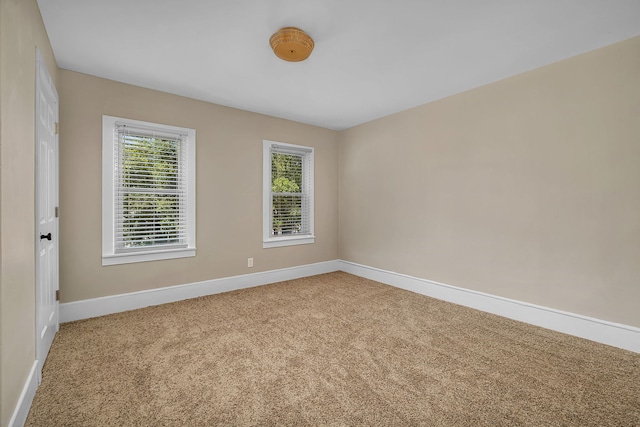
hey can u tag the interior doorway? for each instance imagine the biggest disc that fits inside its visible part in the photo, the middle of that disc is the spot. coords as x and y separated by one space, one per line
46 210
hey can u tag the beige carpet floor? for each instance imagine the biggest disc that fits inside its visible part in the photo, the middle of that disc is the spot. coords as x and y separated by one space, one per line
333 349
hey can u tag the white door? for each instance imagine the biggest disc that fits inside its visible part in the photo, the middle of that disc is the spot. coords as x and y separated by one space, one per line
46 211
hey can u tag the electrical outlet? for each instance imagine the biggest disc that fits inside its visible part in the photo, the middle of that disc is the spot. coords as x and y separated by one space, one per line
249 262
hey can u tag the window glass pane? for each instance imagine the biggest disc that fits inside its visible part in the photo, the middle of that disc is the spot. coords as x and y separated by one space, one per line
287 188
150 219
149 162
286 173
150 193
287 214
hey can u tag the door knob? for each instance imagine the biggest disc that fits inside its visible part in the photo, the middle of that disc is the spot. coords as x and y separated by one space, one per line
45 236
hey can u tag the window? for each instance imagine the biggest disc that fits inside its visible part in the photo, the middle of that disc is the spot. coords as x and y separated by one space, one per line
148 191
287 194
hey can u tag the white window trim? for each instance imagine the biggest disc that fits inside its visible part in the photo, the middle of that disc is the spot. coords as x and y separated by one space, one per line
109 257
286 240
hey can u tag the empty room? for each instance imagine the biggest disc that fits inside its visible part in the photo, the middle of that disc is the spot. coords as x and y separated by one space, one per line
291 212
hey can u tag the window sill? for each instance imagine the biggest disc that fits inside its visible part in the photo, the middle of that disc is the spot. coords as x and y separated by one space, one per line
129 258
276 242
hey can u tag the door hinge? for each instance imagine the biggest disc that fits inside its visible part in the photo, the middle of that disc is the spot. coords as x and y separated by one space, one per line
58 295
57 128
56 212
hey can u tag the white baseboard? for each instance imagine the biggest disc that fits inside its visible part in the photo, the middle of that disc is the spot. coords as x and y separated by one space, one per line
602 331
95 307
26 398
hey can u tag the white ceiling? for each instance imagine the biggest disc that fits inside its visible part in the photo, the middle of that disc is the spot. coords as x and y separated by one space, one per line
371 58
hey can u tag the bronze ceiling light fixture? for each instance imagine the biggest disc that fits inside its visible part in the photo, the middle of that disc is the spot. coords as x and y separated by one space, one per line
291 44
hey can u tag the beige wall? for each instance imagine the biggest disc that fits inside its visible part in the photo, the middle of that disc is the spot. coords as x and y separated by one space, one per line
21 31
228 188
528 188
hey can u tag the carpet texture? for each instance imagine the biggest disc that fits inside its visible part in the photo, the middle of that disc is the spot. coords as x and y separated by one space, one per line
333 349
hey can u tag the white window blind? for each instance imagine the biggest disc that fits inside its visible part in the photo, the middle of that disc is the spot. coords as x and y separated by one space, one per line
289 197
151 173
288 187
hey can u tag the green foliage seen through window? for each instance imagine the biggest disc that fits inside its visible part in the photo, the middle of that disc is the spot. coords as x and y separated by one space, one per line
286 186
